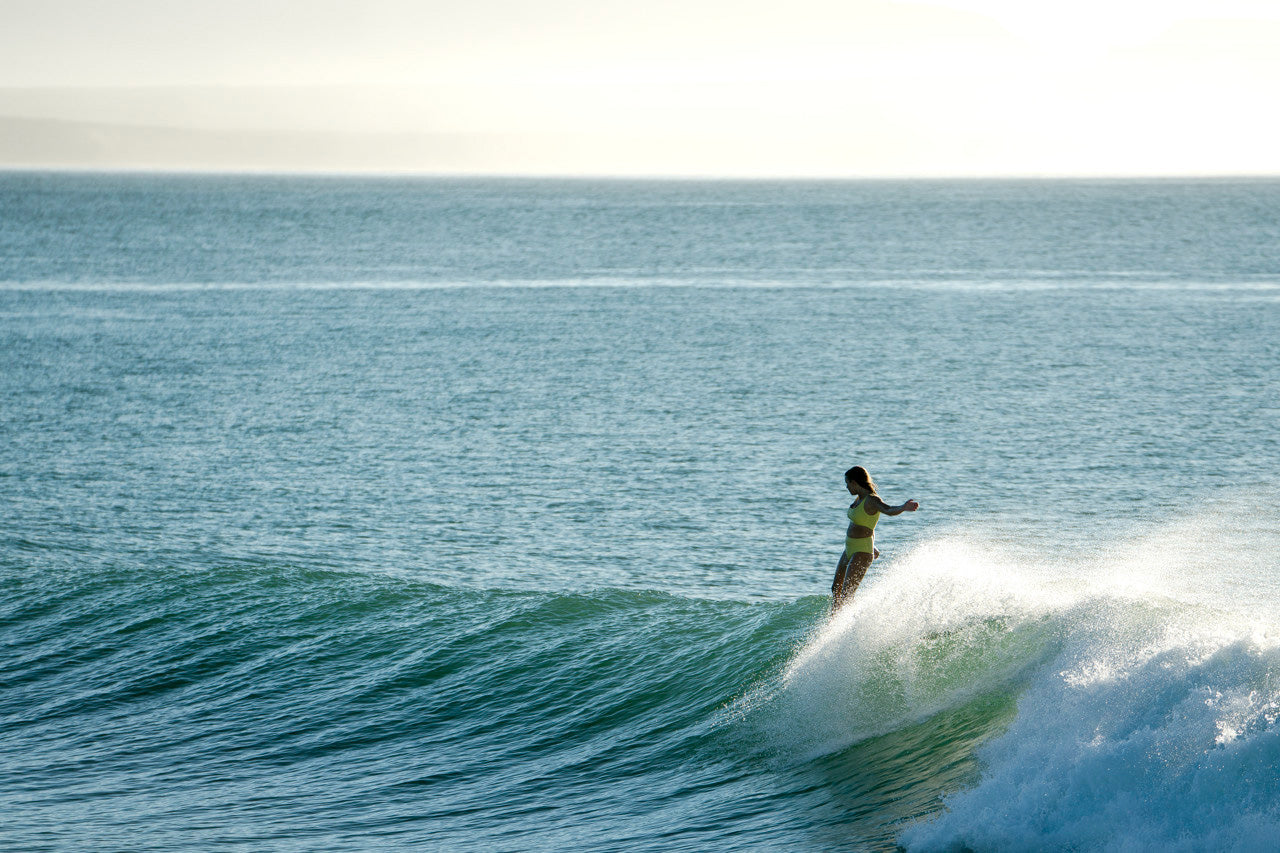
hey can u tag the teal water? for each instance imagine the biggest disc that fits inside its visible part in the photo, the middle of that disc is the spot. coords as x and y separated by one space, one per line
499 515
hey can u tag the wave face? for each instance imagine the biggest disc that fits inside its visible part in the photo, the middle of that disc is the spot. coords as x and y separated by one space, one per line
958 703
257 705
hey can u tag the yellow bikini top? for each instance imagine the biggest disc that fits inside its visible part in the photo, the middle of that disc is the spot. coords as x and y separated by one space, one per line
859 515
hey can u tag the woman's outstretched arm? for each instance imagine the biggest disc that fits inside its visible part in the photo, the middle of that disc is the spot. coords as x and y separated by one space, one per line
909 506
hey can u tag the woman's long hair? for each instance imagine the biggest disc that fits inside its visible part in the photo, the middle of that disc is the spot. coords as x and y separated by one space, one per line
859 476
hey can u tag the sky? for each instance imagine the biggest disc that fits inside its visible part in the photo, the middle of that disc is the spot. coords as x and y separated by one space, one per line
682 87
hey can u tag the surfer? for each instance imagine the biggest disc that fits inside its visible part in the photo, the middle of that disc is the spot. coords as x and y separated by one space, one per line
859 542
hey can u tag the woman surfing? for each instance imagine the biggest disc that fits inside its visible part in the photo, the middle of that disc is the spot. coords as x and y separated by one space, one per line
859 542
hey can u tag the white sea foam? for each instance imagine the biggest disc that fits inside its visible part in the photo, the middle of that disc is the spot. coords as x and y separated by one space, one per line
1154 725
1166 743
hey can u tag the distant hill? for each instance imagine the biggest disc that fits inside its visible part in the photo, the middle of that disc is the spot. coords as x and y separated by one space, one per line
54 143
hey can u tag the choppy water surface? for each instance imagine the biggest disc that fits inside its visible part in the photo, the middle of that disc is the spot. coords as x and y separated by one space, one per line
499 515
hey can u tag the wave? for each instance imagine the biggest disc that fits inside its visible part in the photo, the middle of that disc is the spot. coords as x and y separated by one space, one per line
965 699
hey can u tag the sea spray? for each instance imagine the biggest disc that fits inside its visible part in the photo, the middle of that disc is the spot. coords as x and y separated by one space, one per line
949 622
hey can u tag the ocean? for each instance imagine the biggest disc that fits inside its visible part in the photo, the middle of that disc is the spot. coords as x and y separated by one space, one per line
501 514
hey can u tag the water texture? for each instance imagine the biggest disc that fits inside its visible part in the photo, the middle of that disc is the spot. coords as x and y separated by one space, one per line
499 515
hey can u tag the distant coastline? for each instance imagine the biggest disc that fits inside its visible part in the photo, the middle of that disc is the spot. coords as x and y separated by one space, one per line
65 144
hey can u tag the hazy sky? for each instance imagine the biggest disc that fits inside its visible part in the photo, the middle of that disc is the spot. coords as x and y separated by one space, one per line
860 87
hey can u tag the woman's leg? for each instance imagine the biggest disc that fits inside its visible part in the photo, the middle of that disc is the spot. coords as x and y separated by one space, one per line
855 569
837 585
